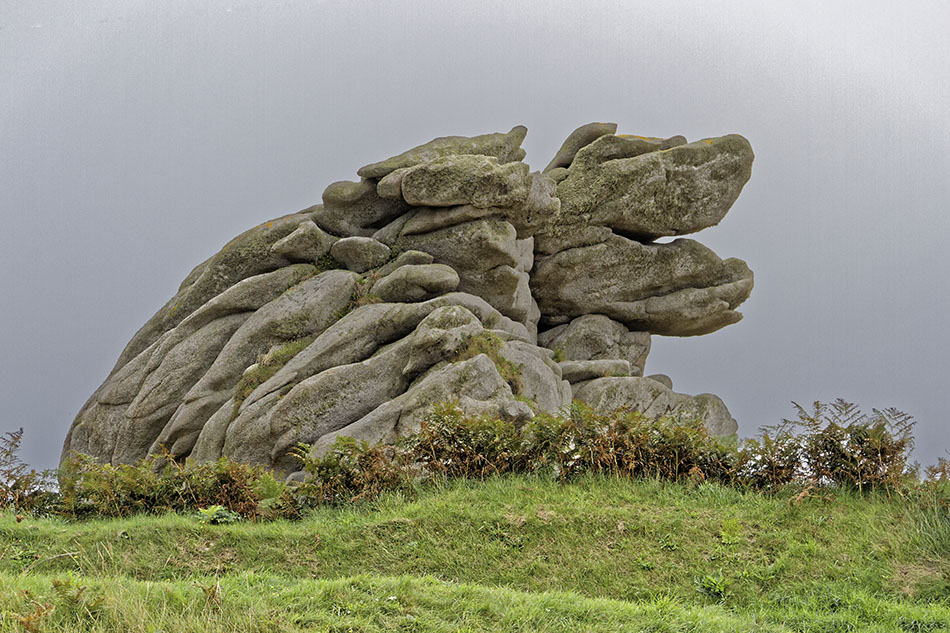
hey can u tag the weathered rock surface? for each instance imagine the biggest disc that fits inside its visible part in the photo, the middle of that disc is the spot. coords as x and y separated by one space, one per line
653 398
453 240
306 309
416 283
676 289
483 392
359 254
491 261
407 258
597 337
575 371
354 208
663 379
644 189
504 147
540 376
308 243
465 179
579 138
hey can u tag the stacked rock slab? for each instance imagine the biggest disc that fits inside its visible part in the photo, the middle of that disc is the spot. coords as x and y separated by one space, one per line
450 272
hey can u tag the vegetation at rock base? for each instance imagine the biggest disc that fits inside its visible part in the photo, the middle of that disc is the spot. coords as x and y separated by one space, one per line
20 485
349 472
583 522
832 446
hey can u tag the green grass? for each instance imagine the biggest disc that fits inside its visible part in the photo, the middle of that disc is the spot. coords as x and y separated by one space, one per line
265 602
507 554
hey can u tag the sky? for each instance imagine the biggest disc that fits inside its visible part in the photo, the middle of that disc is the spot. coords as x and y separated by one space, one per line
138 137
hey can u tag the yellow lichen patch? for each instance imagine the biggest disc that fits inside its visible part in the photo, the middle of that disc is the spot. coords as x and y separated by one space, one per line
708 141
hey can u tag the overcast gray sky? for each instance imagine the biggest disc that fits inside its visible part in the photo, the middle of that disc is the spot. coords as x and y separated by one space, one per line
137 137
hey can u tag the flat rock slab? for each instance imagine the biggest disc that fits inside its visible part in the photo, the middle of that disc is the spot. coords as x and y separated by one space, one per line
360 254
538 210
575 371
506 147
416 283
480 181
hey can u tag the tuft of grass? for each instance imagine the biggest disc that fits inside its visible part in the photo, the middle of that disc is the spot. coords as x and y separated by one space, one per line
268 365
490 345
328 262
365 300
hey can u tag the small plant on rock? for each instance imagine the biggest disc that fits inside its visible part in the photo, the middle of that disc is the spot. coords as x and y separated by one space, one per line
490 345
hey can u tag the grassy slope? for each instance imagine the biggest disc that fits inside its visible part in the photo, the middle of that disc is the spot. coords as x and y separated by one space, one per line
485 556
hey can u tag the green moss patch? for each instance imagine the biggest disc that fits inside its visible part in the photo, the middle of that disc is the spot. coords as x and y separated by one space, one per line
490 345
267 366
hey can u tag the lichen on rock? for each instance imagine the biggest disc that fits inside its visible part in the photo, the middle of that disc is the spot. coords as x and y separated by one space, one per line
448 272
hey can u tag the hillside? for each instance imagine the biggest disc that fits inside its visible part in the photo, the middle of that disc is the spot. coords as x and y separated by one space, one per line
507 554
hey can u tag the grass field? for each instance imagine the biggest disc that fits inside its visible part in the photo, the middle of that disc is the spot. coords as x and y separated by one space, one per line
507 554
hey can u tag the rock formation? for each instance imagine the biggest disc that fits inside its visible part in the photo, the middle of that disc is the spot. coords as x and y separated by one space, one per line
450 272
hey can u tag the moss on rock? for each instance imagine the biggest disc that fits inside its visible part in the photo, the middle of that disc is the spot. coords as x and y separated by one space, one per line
266 366
490 345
